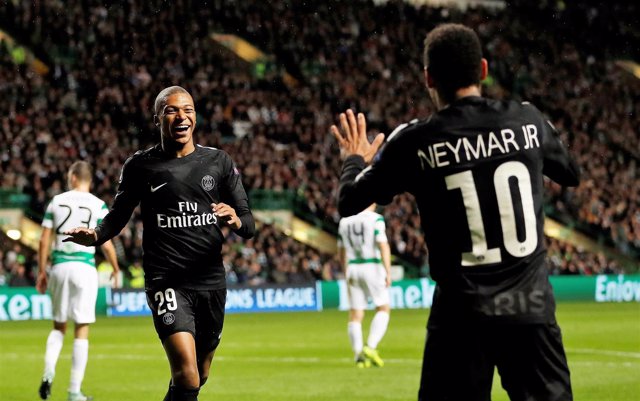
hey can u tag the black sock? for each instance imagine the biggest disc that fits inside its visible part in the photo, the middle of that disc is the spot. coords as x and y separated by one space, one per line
168 396
179 393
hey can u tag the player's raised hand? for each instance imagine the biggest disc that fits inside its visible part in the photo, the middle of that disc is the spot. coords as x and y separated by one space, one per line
81 235
227 214
353 138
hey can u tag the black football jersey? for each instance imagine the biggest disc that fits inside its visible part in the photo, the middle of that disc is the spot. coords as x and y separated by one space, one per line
476 170
182 239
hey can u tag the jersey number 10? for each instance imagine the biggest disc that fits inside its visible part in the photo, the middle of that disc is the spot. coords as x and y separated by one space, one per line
481 254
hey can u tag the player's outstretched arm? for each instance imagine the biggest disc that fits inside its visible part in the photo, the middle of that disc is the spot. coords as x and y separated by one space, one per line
353 138
81 235
356 191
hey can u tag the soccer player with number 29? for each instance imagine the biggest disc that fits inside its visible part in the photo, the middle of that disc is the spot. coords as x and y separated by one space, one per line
186 193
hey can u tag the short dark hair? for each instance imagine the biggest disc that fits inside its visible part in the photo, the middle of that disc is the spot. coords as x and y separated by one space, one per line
164 94
452 56
82 171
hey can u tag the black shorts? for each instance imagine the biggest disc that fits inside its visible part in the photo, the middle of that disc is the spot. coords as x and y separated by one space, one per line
199 312
458 364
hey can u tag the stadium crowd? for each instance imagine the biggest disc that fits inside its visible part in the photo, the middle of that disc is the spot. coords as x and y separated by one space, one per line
95 104
274 258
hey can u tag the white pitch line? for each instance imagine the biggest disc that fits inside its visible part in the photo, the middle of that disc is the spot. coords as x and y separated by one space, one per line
606 352
311 360
288 360
600 364
231 344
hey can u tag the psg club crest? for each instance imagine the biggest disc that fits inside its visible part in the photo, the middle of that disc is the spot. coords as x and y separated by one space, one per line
208 182
168 318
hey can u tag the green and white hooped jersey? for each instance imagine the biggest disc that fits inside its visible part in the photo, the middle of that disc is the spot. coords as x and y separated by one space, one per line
360 235
69 210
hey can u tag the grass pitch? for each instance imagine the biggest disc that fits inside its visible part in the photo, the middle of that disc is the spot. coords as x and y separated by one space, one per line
306 356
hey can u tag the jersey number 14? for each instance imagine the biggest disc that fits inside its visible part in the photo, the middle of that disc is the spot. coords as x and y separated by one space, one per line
481 254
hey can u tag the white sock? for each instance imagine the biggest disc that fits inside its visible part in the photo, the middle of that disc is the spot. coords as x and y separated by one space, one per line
355 337
378 328
78 363
54 345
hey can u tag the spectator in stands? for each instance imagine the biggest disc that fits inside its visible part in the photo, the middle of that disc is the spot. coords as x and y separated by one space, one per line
19 276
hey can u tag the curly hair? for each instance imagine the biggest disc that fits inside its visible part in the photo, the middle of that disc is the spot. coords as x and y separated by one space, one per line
452 57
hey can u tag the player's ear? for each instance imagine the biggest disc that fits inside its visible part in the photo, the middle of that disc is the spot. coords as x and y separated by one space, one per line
484 69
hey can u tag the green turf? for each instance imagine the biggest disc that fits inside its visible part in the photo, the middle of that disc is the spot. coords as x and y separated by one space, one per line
306 356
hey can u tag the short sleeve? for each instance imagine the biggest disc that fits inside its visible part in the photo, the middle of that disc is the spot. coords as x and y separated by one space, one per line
104 209
380 230
47 220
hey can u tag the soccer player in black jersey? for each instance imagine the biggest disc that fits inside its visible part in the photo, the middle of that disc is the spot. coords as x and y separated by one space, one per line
476 170
186 193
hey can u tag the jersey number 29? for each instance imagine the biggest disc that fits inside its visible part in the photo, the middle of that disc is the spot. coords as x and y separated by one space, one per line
481 254
168 295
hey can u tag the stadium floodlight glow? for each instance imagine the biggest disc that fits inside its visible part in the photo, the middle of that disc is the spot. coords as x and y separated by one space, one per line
14 234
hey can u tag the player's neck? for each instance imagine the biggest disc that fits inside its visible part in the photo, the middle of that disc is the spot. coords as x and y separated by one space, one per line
442 102
178 150
473 90
82 187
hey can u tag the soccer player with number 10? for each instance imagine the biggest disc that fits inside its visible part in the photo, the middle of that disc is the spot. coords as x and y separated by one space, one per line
476 169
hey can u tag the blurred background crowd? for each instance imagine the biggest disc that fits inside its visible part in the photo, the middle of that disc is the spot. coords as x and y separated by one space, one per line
324 56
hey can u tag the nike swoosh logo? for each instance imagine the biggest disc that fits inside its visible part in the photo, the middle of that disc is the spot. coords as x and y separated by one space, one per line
154 189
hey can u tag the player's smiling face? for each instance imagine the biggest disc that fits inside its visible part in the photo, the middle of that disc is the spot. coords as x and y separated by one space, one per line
178 119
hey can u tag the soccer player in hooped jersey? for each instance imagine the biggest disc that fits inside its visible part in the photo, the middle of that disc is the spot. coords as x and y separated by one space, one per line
186 192
72 280
476 170
365 255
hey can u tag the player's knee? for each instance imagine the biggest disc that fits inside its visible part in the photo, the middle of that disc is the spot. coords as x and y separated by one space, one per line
356 315
60 326
383 308
204 367
187 377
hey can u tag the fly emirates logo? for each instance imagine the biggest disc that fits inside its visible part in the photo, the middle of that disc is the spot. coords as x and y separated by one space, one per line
188 217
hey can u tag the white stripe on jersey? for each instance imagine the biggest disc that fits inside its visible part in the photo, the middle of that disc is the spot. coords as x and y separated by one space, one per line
206 147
